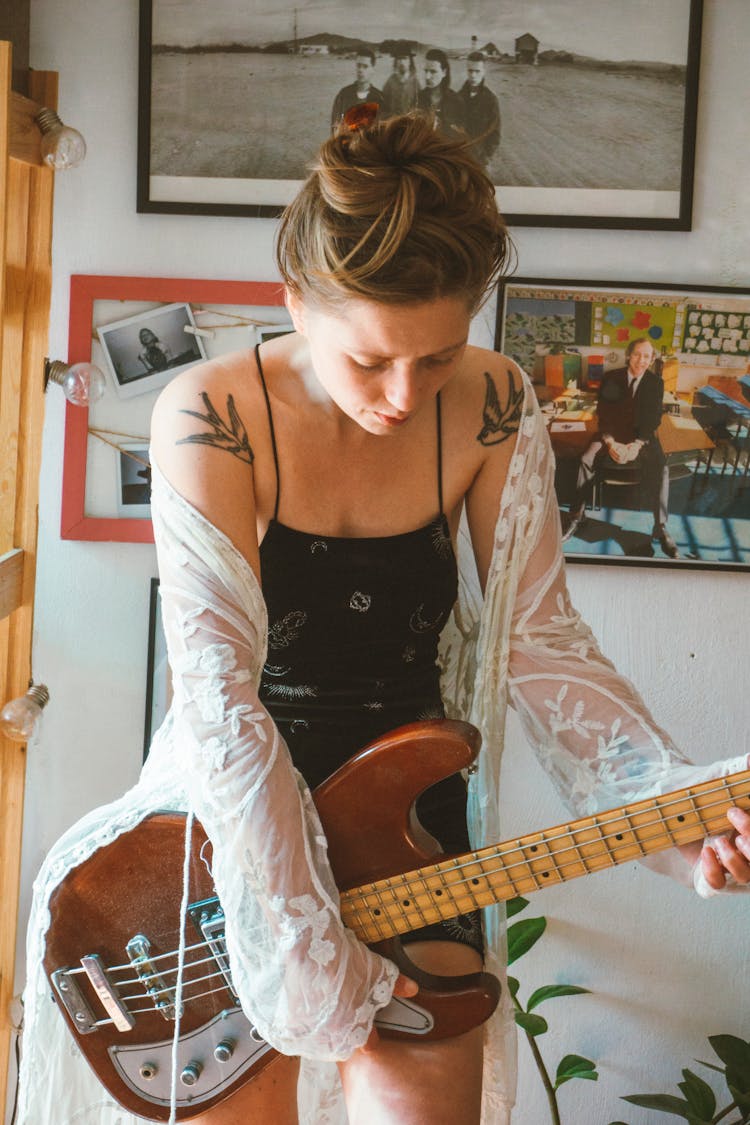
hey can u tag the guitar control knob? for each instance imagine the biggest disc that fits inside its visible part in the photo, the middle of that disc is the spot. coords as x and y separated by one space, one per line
223 1051
148 1070
191 1073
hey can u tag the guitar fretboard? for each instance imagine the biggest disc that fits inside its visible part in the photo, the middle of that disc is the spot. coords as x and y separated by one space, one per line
454 886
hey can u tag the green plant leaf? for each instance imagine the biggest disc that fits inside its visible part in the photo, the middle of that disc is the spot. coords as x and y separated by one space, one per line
668 1103
575 1066
516 905
548 991
513 986
533 1025
699 1094
742 1099
522 935
734 1053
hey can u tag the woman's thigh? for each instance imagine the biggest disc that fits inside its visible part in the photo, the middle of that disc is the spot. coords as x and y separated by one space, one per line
269 1099
404 1083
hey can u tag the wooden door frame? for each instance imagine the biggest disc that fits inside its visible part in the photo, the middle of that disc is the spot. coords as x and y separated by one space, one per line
26 191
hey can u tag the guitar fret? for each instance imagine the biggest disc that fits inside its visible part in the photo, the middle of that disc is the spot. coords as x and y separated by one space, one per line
476 879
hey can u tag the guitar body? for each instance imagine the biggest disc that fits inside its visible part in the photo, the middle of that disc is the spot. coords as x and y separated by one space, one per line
131 890
112 943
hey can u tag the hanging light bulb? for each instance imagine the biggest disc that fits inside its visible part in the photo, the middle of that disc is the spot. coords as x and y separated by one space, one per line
82 383
19 717
62 147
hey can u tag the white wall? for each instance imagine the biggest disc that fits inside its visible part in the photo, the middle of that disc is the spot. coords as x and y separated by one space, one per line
665 970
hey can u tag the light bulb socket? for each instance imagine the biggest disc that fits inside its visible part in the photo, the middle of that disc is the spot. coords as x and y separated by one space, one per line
55 371
47 120
40 694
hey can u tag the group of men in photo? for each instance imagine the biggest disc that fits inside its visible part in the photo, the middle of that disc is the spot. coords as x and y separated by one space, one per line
473 108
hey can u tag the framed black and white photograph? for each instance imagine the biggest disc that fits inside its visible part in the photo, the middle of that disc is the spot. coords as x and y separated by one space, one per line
645 391
583 112
133 481
158 675
146 351
271 332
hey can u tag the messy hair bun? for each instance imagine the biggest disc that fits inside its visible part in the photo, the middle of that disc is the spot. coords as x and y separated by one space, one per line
396 212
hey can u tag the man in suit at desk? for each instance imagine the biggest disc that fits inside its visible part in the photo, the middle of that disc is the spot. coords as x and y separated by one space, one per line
629 410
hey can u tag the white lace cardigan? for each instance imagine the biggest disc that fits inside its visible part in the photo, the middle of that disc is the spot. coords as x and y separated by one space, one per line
308 986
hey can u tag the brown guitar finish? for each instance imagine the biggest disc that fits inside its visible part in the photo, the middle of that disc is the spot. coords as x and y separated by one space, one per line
392 879
134 886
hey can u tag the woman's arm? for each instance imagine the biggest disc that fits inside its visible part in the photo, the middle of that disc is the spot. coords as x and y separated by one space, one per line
308 985
588 725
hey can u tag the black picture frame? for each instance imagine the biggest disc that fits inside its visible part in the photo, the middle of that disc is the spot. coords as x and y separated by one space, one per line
158 676
218 135
569 334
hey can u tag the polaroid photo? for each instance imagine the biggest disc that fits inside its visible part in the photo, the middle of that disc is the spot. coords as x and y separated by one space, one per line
133 481
144 352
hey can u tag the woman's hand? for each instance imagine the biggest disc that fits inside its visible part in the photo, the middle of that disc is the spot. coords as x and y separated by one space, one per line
404 986
724 855
729 855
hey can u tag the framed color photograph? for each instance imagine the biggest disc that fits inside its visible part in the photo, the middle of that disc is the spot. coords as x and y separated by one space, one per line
583 112
143 331
645 390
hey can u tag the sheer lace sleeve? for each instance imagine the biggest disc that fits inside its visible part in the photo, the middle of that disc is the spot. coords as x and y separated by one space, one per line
589 726
307 984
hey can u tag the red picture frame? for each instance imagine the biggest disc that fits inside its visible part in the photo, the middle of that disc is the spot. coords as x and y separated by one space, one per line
85 289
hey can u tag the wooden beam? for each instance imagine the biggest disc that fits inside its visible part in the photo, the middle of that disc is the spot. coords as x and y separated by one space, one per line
26 187
11 582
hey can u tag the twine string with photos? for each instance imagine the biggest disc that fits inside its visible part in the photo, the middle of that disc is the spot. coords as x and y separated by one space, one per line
133 439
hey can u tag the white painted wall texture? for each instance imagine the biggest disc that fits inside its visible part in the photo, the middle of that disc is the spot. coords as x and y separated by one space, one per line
665 969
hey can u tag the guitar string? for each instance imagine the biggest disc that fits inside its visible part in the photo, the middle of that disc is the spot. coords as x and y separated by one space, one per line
602 821
545 839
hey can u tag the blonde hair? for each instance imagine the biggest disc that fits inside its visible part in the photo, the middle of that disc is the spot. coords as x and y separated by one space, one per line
397 213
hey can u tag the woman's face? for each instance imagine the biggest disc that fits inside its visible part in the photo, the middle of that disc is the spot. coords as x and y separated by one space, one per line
380 364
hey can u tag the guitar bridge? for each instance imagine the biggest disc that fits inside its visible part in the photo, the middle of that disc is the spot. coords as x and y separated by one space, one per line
208 919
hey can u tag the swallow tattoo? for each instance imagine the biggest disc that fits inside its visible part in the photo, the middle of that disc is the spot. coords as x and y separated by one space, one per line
500 422
231 436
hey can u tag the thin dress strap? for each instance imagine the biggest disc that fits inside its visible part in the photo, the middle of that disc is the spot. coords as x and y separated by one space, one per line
270 427
439 454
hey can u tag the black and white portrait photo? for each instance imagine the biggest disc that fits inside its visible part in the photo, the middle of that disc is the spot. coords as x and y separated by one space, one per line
146 351
134 481
577 109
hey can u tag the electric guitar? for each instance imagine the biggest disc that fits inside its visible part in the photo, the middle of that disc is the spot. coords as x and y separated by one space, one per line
112 945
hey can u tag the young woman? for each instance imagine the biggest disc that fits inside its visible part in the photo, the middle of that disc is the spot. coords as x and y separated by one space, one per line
317 505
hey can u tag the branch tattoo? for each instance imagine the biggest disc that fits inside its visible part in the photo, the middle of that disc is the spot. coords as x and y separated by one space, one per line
230 436
499 422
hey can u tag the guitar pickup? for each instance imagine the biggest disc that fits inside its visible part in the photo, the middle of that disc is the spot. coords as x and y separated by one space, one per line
208 919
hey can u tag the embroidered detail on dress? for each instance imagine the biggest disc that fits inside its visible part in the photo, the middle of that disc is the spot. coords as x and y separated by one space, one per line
409 655
318 545
466 928
282 633
292 691
430 713
313 918
374 705
276 669
359 601
215 751
441 540
299 724
558 721
418 622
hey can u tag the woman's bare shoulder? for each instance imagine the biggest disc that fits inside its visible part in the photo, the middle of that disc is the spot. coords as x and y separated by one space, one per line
489 394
